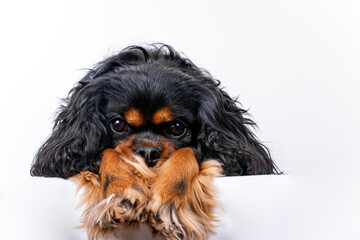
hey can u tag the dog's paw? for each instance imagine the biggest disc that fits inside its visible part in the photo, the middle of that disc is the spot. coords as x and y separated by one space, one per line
128 207
115 211
164 219
185 208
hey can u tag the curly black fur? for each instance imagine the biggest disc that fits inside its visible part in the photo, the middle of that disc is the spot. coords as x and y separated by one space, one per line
155 76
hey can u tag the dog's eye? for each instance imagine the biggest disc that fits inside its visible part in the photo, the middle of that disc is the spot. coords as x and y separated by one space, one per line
117 125
176 129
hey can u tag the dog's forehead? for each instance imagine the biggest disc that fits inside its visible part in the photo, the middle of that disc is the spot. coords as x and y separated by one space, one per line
153 94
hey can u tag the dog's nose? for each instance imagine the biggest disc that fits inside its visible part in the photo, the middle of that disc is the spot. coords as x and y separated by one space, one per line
151 154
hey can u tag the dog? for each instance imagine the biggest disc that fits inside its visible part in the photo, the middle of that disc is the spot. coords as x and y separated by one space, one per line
145 132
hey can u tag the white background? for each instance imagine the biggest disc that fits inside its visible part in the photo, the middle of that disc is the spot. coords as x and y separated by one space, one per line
294 64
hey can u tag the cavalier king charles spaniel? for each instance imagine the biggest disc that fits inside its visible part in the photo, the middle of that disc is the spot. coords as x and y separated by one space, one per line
144 134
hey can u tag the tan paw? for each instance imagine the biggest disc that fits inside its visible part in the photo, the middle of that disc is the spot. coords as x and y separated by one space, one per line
164 218
116 210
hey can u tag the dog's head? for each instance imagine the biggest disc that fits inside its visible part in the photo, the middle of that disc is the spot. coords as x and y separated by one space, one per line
150 101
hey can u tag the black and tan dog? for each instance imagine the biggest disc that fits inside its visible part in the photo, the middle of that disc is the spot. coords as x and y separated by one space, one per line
146 131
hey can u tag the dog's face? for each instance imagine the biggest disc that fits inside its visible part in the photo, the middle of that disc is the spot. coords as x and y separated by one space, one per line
154 117
150 102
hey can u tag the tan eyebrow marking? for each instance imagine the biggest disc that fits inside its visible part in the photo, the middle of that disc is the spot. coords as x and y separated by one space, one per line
163 115
134 117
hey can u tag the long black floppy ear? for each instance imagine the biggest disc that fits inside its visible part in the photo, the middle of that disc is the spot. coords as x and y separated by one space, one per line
80 131
225 135
79 135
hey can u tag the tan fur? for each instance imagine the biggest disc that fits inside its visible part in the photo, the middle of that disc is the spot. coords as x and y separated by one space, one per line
134 117
203 200
89 183
177 198
163 115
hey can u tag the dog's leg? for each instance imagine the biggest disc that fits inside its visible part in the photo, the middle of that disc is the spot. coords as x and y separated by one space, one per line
182 198
124 196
